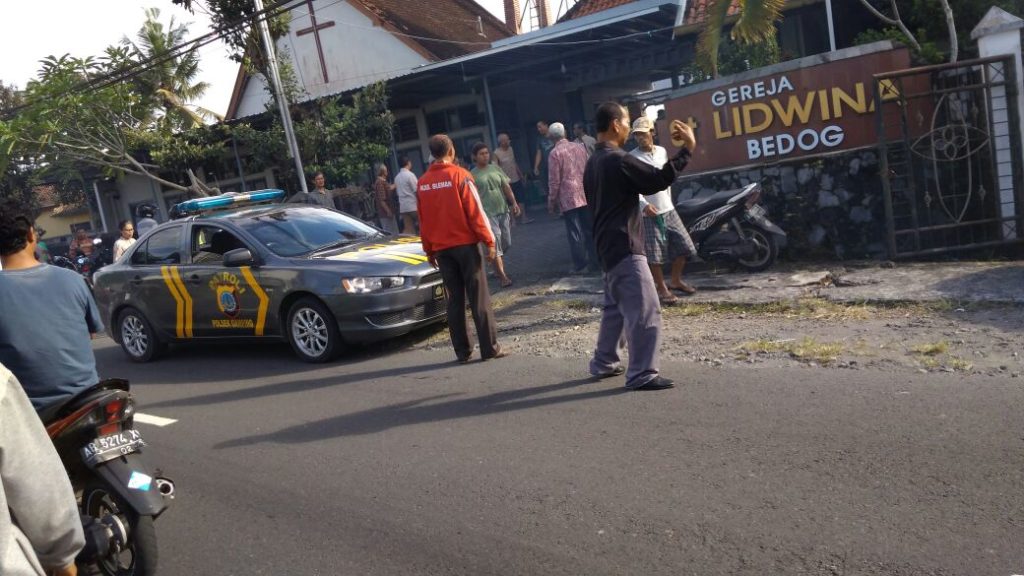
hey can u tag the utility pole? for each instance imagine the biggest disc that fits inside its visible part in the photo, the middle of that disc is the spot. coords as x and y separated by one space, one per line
282 103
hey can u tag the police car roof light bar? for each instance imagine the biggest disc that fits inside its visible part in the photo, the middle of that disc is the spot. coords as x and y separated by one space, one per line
224 201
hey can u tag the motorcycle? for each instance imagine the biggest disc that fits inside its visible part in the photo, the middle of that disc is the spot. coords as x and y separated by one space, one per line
119 497
86 265
731 226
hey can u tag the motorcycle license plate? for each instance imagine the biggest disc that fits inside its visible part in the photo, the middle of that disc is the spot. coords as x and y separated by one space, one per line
112 446
756 211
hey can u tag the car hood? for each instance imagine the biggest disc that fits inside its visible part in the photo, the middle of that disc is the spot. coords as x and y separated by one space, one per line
399 255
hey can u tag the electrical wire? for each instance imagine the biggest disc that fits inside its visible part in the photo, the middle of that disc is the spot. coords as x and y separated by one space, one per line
276 9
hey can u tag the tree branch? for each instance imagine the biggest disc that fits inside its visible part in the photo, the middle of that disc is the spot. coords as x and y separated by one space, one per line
954 42
897 22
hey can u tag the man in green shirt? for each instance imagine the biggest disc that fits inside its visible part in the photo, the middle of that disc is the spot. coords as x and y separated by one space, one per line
495 197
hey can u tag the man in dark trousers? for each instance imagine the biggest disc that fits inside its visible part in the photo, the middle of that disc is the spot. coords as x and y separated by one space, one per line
452 227
612 181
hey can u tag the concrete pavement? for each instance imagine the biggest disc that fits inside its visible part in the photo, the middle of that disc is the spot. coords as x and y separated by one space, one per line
539 260
408 464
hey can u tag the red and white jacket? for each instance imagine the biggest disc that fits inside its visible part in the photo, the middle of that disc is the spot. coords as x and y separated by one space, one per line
450 210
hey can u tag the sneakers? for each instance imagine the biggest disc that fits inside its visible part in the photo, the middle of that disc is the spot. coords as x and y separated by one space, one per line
658 383
617 371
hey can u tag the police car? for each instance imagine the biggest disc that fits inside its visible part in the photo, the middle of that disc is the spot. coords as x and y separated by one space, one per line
246 266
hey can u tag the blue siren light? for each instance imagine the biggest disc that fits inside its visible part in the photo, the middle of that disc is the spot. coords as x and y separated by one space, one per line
227 200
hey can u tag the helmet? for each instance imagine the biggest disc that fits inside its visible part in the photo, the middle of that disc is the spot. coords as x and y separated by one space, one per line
146 211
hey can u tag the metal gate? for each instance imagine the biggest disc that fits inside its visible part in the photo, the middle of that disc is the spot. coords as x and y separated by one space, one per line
950 146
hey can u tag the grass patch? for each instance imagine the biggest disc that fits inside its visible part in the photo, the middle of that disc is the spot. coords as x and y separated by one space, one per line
806 350
931 349
503 301
960 364
576 304
806 308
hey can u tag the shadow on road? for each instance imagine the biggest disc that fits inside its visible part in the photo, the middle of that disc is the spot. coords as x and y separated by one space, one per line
426 410
296 385
219 361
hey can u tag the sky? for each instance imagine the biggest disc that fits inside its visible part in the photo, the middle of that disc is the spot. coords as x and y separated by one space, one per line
40 28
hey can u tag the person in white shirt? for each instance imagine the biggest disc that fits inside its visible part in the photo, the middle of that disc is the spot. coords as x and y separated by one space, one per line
665 236
405 183
126 240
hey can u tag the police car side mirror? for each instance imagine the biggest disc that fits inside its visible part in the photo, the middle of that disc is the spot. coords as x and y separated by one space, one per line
238 257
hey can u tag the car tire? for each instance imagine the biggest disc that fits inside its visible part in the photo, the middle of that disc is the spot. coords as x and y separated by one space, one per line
312 331
137 337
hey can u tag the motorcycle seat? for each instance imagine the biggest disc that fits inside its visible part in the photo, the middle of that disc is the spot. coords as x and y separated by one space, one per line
63 408
695 206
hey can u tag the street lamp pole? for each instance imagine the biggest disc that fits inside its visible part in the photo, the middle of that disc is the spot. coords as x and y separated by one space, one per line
282 103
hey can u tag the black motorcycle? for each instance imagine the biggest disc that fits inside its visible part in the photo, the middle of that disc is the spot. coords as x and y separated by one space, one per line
119 496
87 265
731 226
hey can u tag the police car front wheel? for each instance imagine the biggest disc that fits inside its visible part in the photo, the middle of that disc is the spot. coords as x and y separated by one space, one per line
313 331
137 337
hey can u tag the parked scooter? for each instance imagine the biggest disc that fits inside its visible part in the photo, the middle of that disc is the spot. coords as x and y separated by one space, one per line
119 496
87 265
731 226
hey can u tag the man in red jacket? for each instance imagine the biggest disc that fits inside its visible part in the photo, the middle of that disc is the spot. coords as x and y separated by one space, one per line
452 228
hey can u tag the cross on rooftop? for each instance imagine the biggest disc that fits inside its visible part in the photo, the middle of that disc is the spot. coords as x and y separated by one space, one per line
315 31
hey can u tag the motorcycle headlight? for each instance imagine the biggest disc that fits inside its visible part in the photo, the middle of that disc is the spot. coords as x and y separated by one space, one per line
372 284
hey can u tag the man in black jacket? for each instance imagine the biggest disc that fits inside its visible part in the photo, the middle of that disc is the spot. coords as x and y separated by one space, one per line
612 181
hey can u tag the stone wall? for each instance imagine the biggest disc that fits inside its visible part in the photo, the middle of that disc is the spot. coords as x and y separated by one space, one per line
831 207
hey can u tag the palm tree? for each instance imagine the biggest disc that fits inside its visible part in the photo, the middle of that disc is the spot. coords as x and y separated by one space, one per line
755 22
170 83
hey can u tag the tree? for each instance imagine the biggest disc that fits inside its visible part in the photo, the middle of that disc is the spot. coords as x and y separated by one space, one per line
755 23
922 24
66 127
171 82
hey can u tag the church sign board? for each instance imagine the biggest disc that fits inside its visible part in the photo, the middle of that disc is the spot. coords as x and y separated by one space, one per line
802 112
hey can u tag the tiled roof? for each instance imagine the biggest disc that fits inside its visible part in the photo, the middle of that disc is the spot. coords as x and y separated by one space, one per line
46 195
452 20
696 11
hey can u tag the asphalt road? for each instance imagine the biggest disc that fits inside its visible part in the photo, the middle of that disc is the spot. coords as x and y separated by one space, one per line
387 463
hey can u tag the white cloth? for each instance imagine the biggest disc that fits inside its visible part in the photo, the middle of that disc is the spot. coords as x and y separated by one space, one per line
39 525
662 201
405 183
121 246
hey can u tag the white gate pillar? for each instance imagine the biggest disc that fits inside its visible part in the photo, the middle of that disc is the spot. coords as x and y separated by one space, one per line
999 34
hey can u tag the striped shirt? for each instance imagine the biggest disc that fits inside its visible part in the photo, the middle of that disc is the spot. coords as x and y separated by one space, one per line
565 175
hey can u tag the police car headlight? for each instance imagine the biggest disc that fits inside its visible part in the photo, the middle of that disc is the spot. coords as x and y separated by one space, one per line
372 284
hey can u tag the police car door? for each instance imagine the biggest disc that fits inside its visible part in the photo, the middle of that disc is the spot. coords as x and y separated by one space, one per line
226 301
154 283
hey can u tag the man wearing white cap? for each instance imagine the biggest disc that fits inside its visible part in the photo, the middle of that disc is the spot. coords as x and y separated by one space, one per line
665 236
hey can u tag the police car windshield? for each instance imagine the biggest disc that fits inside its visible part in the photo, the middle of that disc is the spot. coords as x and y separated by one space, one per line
301 230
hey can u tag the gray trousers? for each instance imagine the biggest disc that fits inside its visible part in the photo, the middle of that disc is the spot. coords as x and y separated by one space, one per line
631 316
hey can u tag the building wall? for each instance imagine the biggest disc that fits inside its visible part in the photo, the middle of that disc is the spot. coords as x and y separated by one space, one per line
121 201
356 53
830 206
57 226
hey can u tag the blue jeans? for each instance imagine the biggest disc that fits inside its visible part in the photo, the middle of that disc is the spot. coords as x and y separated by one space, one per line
579 228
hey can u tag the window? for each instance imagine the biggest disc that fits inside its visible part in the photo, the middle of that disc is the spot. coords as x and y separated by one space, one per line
300 230
163 247
454 119
406 130
210 243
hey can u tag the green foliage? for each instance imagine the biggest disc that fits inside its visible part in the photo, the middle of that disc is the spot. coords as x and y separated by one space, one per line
169 85
926 20
343 141
735 57
755 24
930 53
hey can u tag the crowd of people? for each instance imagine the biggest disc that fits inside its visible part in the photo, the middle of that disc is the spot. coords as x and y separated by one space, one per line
615 212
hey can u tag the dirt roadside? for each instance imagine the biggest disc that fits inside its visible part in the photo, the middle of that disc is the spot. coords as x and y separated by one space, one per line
966 318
